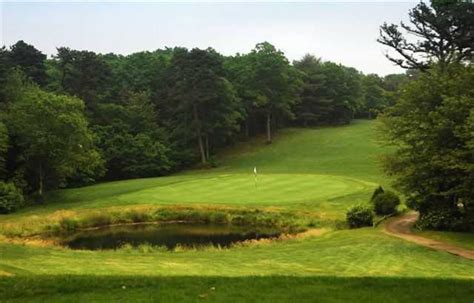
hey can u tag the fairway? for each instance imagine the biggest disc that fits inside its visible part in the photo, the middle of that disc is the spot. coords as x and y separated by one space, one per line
323 181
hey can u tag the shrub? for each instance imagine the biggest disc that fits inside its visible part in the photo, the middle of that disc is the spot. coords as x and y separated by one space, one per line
68 224
359 216
386 203
445 219
11 198
379 190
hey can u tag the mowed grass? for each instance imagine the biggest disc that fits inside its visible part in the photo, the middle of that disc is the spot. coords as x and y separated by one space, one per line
361 252
351 150
321 171
324 169
465 240
235 289
362 265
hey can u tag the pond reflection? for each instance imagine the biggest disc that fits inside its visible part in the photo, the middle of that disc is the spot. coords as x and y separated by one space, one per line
168 235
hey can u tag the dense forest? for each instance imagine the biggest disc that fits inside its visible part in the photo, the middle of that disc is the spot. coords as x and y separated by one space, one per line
81 117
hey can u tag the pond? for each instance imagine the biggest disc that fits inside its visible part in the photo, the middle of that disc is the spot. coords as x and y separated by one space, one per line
168 235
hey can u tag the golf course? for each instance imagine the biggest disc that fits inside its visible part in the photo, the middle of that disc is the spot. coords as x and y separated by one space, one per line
305 182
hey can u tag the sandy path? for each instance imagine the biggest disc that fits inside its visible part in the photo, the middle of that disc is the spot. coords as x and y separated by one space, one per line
401 227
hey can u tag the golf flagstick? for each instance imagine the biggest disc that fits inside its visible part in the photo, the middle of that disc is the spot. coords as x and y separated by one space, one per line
255 176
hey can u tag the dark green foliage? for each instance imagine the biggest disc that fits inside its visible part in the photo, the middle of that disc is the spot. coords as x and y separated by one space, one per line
52 133
359 216
432 125
432 122
267 86
131 142
11 198
83 74
4 144
29 60
374 100
386 203
444 31
379 190
445 219
330 94
151 113
5 67
201 107
274 84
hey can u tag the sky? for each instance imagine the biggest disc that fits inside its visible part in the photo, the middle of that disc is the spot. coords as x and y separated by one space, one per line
342 32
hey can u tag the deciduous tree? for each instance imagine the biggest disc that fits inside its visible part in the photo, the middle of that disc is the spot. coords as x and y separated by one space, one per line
53 136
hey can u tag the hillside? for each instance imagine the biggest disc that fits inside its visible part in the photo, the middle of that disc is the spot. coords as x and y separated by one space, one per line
317 172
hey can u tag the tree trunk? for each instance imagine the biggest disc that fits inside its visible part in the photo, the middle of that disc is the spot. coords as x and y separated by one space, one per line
269 128
199 135
207 147
40 183
63 77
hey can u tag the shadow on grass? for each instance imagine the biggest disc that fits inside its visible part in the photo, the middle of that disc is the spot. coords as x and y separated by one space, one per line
61 288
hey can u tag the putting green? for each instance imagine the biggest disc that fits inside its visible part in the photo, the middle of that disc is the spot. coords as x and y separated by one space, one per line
268 189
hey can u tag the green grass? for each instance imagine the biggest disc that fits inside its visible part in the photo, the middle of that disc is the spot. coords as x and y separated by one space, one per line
324 169
350 151
236 289
465 240
307 172
362 252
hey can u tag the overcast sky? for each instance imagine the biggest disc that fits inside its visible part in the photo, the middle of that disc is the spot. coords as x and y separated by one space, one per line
343 32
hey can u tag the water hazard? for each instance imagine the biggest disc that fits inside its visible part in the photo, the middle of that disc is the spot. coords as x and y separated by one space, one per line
168 235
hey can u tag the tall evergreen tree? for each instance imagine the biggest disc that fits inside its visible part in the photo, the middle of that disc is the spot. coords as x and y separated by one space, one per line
331 92
445 33
29 60
200 100
275 84
83 74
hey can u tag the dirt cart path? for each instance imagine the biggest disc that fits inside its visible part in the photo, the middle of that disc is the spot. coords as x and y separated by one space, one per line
401 227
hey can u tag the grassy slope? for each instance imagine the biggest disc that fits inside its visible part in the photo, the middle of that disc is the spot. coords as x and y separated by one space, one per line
339 156
465 240
350 151
323 169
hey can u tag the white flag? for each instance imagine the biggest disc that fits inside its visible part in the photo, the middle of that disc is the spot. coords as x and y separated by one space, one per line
255 170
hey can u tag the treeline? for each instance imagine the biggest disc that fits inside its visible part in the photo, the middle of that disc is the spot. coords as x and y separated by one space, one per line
431 125
79 117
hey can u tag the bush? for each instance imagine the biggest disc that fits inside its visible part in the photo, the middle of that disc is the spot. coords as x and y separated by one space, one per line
445 219
11 198
379 190
386 203
359 216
